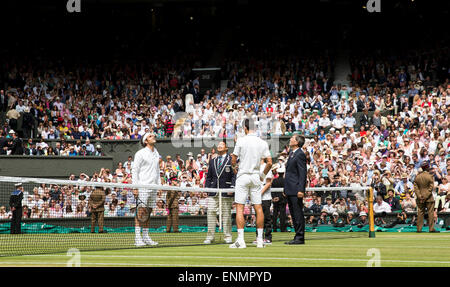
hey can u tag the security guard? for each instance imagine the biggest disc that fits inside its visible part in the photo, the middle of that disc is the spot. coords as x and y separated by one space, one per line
15 203
423 187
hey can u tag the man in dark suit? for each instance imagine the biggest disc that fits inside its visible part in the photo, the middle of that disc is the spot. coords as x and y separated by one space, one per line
15 203
16 146
3 106
32 150
3 143
295 185
220 175
365 118
290 126
360 104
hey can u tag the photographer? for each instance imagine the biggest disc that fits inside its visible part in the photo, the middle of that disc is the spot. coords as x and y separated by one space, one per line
378 187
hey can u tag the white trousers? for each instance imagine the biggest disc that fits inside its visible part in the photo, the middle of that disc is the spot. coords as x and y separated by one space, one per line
213 211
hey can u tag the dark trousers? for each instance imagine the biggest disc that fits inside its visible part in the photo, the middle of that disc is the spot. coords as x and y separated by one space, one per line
279 212
267 219
296 210
16 220
172 220
97 216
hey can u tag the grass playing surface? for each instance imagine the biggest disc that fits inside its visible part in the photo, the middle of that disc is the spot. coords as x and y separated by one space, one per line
320 250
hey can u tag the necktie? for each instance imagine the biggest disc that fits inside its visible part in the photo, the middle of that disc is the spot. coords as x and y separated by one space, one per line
220 162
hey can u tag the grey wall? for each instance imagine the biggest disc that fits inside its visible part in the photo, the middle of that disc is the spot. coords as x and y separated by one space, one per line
51 166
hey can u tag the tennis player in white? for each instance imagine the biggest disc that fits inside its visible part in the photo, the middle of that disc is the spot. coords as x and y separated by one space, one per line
250 149
145 170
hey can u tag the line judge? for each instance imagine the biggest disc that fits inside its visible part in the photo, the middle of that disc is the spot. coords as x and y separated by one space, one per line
220 175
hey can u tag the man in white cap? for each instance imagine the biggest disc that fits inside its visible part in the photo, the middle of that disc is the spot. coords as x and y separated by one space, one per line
145 171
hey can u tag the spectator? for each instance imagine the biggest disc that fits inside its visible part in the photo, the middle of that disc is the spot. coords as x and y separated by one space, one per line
393 202
89 147
443 190
182 207
404 186
160 209
194 207
327 210
111 211
381 208
3 213
123 210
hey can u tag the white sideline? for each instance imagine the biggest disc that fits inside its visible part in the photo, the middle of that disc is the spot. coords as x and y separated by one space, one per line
122 264
247 258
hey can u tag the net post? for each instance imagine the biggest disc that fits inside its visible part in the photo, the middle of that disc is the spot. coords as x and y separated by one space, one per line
371 215
220 210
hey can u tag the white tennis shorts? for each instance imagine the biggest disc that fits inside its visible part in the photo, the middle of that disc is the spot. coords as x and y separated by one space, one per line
248 185
147 198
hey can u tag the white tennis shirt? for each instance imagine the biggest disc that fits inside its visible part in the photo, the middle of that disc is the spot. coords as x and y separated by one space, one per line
250 149
145 169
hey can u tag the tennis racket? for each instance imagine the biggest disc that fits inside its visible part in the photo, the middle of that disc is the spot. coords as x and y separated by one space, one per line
143 209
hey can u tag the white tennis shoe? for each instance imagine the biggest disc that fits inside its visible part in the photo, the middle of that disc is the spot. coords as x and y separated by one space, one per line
139 243
260 243
238 244
208 241
148 241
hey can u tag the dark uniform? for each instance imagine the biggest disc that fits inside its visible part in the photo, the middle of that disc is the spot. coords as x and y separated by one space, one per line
15 203
294 182
423 187
97 208
220 175
279 204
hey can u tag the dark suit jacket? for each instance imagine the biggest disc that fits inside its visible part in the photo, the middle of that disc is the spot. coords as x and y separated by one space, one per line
33 151
290 125
16 147
365 119
4 104
220 178
360 106
3 143
296 172
395 203
16 199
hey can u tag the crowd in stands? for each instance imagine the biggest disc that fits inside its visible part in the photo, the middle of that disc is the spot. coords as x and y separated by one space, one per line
403 107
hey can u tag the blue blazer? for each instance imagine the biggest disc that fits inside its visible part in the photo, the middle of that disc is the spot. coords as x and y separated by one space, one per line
222 177
296 172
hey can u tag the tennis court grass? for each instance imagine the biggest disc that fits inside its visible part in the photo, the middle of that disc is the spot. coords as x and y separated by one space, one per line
320 250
